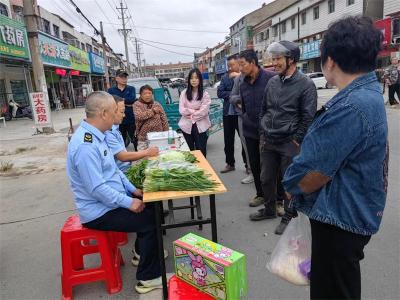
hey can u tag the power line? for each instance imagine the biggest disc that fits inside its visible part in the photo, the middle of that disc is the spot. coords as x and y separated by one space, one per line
185 30
174 45
108 18
165 49
112 8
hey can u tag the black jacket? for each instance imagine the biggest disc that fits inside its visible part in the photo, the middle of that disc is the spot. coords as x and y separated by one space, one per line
224 91
288 108
252 97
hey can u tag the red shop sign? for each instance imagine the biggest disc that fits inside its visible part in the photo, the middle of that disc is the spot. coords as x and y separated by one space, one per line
385 25
74 73
61 72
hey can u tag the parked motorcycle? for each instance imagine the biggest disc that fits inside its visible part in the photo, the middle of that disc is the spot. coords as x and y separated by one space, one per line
15 110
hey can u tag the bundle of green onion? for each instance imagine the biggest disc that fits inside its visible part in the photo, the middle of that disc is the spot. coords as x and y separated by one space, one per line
177 155
176 176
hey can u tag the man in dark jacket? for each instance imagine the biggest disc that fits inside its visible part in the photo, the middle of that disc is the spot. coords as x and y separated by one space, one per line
230 120
289 105
128 126
251 91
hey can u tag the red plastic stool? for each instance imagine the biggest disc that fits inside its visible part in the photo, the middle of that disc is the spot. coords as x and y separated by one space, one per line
121 238
180 290
74 245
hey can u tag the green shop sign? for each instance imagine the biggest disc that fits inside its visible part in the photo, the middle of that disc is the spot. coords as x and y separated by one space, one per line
13 39
79 59
53 52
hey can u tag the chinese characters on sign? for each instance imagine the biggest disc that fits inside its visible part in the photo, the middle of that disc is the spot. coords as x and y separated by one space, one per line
13 38
41 110
53 52
310 50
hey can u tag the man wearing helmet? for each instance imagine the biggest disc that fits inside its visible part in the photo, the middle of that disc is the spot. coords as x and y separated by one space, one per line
289 105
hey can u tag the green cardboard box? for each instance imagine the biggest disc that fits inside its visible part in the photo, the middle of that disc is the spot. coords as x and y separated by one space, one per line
210 267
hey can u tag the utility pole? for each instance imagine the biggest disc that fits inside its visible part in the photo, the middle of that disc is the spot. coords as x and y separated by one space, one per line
125 31
138 59
103 41
39 78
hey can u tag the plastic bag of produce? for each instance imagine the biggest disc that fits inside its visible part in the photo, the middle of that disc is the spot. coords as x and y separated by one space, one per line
291 258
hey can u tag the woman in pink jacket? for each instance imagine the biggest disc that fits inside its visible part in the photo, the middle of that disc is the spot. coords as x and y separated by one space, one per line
194 105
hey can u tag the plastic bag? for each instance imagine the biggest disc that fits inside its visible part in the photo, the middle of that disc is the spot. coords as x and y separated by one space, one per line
291 258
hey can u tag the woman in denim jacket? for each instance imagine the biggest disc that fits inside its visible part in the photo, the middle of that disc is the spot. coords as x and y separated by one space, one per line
338 179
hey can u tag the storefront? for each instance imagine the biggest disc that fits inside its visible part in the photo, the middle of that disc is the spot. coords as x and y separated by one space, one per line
97 69
56 61
389 49
310 57
15 80
80 75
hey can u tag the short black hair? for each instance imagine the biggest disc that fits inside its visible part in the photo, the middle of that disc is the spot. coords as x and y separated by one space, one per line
233 56
250 56
353 43
118 98
145 87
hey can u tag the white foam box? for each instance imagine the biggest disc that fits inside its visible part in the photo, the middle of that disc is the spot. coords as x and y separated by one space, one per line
160 139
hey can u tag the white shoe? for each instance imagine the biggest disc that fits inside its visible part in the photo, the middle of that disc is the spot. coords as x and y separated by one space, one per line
248 179
136 257
145 286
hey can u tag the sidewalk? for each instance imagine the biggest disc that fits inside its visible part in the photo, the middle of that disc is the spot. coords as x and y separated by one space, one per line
25 128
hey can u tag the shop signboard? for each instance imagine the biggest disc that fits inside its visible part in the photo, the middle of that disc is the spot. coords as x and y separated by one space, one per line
385 26
310 50
13 39
53 52
96 63
220 66
41 109
79 59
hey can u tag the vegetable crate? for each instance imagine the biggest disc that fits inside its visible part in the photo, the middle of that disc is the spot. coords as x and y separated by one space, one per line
210 267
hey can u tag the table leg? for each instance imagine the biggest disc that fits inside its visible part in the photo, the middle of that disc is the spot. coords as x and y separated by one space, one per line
213 219
159 215
198 208
191 209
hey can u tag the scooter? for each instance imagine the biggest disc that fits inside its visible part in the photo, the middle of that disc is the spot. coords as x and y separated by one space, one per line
15 110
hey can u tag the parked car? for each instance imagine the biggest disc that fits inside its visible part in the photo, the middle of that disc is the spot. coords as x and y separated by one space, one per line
319 80
139 82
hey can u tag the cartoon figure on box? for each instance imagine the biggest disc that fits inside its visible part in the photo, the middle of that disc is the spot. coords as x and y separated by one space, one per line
199 271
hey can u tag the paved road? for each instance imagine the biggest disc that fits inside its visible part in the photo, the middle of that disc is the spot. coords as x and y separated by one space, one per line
34 207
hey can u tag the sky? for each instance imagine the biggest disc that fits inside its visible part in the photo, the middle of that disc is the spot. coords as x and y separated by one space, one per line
190 17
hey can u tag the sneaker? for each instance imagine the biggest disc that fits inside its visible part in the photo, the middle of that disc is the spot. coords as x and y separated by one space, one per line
262 214
280 229
136 257
145 286
228 168
248 179
280 210
256 201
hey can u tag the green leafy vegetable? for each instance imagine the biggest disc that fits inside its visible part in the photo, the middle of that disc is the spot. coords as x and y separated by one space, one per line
176 176
136 175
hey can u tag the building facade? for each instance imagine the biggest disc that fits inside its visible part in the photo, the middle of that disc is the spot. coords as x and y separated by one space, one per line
168 71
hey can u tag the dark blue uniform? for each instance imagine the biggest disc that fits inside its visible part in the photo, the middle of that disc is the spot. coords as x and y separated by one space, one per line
128 126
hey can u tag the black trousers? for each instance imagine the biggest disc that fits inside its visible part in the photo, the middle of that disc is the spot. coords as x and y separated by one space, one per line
253 148
275 159
196 140
394 88
230 129
124 220
128 130
335 262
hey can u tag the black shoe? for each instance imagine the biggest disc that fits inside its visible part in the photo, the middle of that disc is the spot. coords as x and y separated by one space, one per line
262 214
280 229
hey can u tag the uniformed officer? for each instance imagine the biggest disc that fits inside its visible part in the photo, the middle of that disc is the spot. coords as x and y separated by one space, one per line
116 143
123 90
104 197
